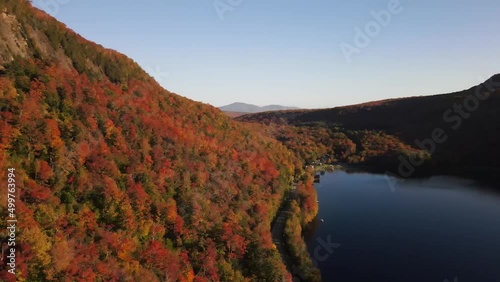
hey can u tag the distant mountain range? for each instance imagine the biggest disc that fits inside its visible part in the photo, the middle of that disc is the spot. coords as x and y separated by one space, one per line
249 108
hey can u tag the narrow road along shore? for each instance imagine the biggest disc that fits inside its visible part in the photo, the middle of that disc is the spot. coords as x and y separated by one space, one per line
278 234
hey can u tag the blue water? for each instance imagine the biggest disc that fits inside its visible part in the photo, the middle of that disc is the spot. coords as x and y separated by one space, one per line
380 229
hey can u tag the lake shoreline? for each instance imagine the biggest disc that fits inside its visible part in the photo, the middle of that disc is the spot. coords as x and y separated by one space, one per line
485 176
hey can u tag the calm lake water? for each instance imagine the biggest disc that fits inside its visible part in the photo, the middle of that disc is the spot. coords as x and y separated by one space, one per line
425 230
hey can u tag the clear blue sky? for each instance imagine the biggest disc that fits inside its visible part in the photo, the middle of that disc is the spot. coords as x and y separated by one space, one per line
288 51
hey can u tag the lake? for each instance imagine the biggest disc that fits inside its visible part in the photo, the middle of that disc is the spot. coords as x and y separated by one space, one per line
379 229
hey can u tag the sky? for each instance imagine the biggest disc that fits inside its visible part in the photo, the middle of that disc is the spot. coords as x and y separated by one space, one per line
309 54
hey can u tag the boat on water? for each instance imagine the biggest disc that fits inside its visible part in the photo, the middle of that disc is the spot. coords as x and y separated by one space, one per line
317 178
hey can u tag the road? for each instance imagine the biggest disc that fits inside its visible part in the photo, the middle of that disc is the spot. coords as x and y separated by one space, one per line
278 232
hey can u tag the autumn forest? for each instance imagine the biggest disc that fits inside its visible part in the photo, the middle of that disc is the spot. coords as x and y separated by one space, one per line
119 179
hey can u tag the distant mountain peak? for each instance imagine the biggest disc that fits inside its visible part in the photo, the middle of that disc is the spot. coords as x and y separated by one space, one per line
250 108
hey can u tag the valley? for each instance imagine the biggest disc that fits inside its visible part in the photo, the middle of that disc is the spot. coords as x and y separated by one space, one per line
119 179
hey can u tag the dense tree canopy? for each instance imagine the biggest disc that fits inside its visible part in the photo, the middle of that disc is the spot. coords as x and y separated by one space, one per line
119 178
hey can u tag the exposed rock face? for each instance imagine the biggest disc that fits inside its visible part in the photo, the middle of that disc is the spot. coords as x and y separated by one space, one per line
12 41
15 41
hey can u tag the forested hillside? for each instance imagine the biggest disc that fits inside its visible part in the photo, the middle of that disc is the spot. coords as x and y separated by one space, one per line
460 131
120 179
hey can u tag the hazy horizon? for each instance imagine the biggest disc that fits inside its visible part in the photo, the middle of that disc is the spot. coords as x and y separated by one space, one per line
295 53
